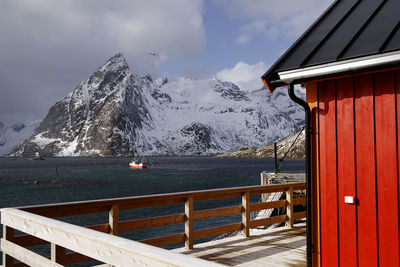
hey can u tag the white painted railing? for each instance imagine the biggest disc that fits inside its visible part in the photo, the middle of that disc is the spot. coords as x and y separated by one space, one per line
99 241
110 249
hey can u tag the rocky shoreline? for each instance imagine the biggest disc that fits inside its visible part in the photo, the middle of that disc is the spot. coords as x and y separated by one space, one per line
296 151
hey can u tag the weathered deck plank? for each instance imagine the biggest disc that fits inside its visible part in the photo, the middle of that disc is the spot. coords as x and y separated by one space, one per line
265 247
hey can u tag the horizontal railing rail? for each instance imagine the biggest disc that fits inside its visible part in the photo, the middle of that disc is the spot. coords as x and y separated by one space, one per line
188 217
113 250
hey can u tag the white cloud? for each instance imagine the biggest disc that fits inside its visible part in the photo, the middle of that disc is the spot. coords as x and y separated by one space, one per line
246 76
174 29
248 30
47 47
243 38
272 18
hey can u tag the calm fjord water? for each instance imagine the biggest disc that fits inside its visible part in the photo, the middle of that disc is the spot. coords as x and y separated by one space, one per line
31 182
97 178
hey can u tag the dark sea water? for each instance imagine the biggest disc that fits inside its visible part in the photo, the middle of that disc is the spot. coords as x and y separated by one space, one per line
26 182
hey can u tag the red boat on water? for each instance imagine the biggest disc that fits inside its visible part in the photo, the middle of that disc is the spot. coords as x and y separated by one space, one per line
137 165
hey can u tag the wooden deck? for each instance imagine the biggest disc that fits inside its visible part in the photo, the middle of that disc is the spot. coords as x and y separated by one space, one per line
265 247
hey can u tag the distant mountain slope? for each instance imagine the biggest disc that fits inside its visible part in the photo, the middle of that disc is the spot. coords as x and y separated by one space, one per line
118 113
13 135
294 149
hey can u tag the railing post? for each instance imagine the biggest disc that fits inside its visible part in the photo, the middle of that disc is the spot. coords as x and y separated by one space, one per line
8 234
113 220
57 254
263 179
189 223
289 207
246 213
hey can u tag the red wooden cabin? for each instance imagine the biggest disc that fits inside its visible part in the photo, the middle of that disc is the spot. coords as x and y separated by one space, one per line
349 61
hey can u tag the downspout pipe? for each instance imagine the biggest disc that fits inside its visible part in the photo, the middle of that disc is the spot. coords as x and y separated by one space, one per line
307 111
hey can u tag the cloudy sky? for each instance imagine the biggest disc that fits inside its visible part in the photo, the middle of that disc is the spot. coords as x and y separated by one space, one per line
47 47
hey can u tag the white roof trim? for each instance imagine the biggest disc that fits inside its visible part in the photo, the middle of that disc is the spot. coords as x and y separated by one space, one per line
339 67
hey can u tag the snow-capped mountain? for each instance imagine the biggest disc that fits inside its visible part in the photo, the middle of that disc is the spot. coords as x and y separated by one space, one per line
13 135
117 113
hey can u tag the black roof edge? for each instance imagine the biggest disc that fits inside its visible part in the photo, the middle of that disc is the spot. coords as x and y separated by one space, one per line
270 77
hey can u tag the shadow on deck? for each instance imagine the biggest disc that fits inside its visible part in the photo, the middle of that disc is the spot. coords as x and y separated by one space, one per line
265 247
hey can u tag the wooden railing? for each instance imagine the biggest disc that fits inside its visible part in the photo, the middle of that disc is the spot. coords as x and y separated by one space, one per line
39 229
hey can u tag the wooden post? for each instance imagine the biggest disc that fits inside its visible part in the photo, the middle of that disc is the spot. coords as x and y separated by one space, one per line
263 179
57 254
189 223
246 213
113 220
264 197
289 207
8 234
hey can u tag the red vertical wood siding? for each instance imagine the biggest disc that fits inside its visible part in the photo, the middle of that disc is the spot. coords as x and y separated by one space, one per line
366 183
327 126
359 128
397 84
346 172
386 169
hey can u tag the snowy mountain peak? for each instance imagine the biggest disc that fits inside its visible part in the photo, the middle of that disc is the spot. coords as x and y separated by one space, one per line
116 63
117 113
115 68
160 81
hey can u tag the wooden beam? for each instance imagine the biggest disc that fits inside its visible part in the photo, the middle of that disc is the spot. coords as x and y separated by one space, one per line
106 248
151 222
246 213
268 221
104 228
299 215
268 205
165 240
264 182
189 223
289 208
26 256
95 206
213 213
151 202
57 254
29 240
8 235
263 178
198 234
299 201
225 195
113 218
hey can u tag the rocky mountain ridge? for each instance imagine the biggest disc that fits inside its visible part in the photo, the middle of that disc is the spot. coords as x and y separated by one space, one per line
292 146
118 113
12 135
